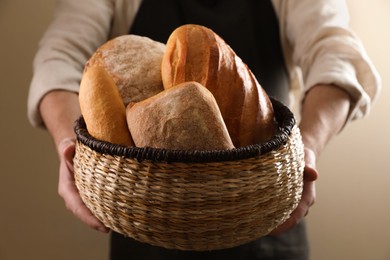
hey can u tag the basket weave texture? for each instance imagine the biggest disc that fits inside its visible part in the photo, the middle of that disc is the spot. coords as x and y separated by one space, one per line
192 200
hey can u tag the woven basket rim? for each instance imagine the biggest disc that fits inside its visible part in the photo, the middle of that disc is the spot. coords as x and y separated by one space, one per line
284 118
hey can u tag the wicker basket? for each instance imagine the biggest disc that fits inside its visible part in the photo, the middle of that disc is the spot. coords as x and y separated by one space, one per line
192 200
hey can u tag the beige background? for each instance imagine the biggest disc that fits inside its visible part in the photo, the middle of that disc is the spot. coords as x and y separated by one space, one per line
349 220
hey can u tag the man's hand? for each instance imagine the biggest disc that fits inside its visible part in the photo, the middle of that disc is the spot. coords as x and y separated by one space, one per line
324 112
59 110
68 190
308 195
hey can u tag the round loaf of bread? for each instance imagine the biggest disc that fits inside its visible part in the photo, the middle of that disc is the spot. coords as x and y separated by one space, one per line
184 117
134 63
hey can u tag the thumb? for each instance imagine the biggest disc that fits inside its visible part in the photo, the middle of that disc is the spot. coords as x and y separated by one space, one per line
66 150
310 171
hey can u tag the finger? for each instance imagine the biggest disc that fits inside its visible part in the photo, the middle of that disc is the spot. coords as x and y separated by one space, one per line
68 153
68 191
65 146
310 172
293 220
77 207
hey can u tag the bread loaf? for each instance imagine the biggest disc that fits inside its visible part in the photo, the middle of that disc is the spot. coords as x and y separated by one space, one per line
102 107
184 117
134 63
196 53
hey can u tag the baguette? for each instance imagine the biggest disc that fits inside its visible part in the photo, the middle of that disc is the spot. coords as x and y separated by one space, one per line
196 53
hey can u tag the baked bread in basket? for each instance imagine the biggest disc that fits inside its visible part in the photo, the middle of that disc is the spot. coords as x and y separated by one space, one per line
193 197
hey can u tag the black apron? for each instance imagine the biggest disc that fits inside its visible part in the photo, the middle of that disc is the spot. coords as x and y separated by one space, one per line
251 28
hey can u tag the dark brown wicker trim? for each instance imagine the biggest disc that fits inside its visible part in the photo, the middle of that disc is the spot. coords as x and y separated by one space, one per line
283 116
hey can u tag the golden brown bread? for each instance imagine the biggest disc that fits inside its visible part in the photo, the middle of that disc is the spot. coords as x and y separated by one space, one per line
102 107
196 53
184 117
134 62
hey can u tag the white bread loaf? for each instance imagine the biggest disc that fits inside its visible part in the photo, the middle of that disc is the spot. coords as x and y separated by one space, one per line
134 62
184 117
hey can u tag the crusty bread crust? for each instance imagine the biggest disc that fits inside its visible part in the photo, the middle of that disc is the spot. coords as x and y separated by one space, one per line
196 53
102 107
134 62
184 117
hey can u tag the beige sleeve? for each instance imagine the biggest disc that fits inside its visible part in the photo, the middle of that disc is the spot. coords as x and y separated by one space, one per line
318 41
78 28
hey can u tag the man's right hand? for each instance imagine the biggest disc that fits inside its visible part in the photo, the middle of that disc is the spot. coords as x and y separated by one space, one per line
68 190
59 110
